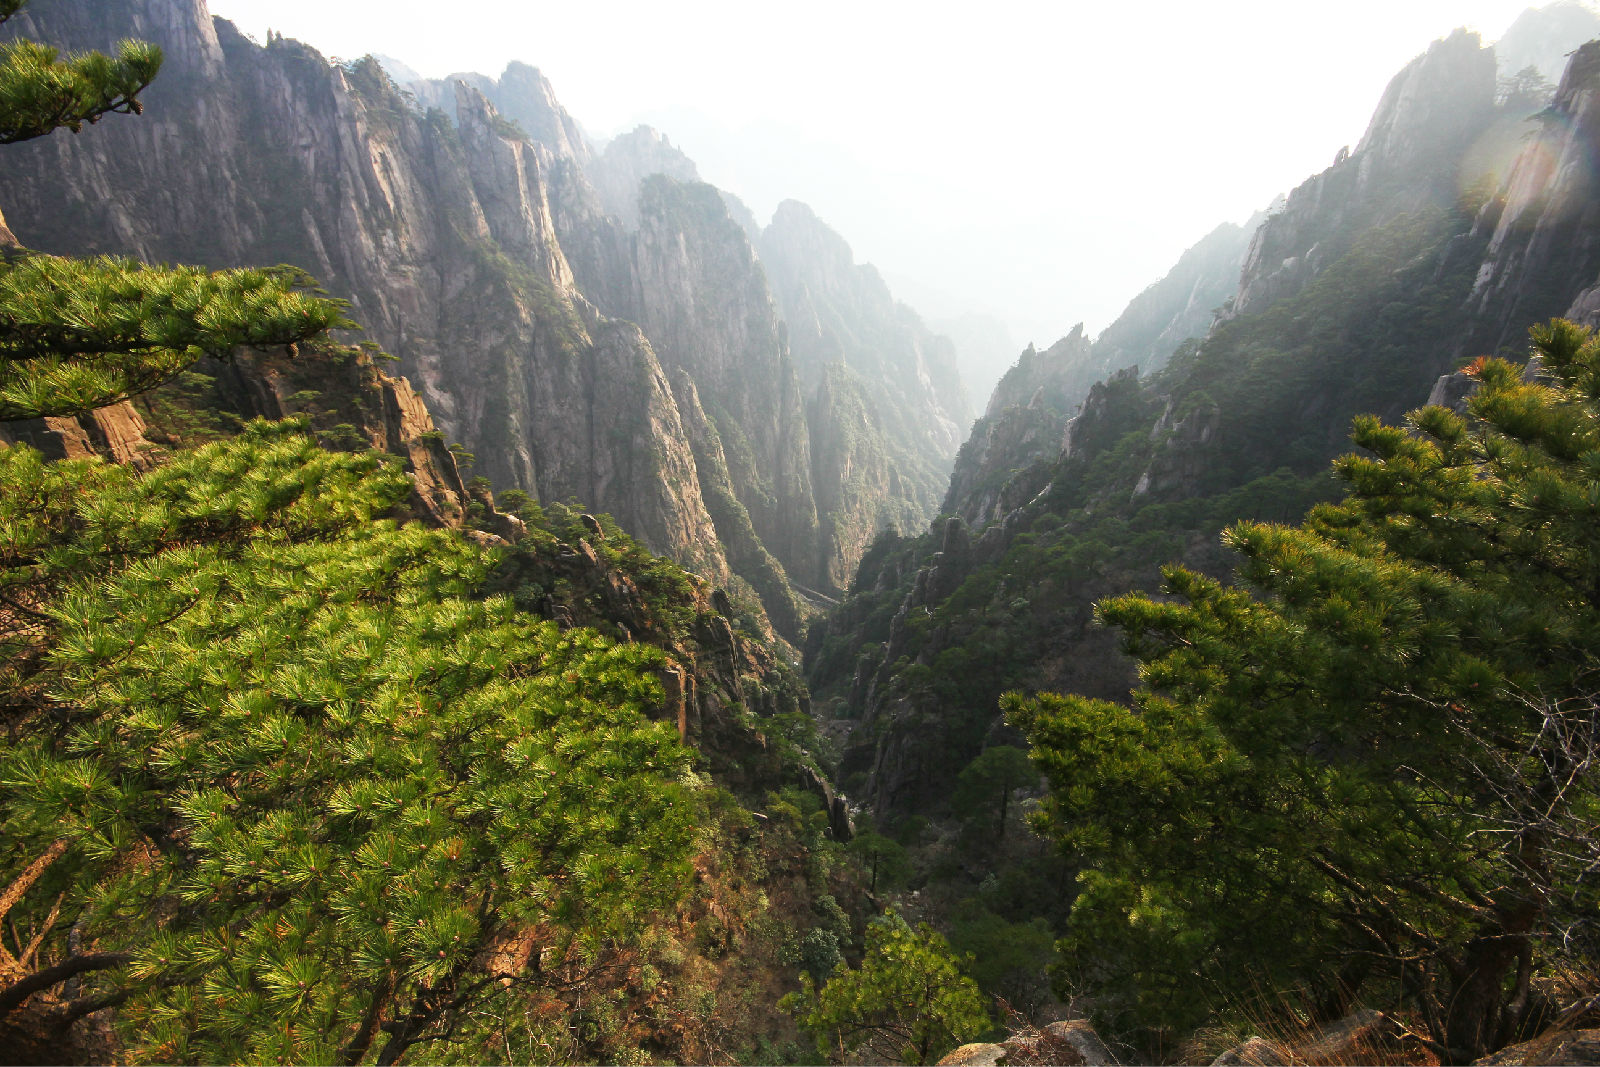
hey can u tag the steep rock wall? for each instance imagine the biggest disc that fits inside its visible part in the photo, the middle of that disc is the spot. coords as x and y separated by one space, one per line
440 234
1543 257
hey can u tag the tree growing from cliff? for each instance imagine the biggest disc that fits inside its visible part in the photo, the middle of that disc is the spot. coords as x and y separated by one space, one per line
908 1002
1375 772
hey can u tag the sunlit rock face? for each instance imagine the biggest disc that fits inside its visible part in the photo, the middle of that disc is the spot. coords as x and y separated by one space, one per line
1431 113
1543 257
539 294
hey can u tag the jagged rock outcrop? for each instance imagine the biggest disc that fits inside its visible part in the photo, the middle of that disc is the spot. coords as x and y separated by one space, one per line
521 95
115 433
1181 306
1045 379
621 167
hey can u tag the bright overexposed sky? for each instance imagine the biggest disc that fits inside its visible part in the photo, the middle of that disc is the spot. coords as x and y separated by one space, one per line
1039 161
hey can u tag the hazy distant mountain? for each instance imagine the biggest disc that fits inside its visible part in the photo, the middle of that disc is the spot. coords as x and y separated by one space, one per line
1542 38
985 347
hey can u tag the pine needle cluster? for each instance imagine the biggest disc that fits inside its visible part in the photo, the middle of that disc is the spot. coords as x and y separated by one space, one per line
77 334
41 91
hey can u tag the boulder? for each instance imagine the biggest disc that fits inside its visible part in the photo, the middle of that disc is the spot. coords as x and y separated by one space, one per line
1066 1044
1254 1052
1353 1039
976 1054
1578 1047
1079 1036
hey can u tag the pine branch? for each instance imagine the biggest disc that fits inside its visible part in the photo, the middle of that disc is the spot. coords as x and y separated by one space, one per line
40 91
12 997
31 874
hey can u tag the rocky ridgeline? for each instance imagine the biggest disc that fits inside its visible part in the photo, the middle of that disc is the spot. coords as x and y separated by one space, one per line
550 303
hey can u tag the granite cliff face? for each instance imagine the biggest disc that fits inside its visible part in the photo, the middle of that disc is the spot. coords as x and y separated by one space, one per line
1543 231
1433 111
835 411
440 234
885 409
586 324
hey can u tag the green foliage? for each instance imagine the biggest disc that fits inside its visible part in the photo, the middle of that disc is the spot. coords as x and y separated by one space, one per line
80 334
883 858
1009 959
819 953
1376 772
41 91
302 774
988 782
908 1002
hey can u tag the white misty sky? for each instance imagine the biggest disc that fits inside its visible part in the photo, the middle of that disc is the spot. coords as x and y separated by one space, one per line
1041 162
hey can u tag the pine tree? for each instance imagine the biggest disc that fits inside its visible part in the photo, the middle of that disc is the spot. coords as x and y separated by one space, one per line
986 784
1375 772
41 92
908 1002
282 783
288 776
80 334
